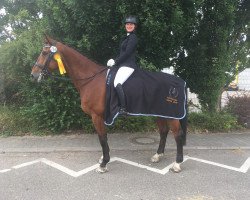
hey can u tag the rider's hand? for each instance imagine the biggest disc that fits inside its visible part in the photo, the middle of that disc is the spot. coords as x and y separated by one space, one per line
110 63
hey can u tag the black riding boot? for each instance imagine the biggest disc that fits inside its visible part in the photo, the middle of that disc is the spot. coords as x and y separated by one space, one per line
121 96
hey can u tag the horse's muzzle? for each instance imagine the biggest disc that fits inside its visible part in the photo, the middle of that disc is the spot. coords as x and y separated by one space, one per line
36 77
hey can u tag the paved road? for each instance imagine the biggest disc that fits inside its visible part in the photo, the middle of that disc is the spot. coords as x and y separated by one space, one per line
62 167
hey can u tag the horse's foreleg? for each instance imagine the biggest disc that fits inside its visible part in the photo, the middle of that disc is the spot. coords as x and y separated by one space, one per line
100 128
163 130
105 151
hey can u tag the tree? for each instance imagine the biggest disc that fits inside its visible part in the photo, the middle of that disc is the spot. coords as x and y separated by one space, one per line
2 93
17 17
202 39
213 48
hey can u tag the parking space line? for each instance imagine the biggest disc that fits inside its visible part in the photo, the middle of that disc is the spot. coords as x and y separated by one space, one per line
4 170
27 164
67 170
243 169
164 171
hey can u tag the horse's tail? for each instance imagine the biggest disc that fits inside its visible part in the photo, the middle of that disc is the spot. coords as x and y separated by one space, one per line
184 121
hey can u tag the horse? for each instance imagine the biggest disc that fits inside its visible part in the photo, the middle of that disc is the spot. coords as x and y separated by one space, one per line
89 78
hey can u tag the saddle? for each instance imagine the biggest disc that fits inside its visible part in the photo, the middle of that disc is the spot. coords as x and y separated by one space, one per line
147 94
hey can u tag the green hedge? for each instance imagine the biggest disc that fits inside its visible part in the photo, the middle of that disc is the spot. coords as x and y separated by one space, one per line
14 121
212 122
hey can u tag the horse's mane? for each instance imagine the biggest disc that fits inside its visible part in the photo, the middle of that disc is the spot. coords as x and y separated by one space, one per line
53 42
82 55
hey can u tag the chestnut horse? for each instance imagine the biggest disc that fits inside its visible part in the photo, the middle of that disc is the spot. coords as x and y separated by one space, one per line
89 79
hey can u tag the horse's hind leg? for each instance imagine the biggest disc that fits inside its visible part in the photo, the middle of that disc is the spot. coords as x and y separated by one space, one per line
100 128
163 130
175 127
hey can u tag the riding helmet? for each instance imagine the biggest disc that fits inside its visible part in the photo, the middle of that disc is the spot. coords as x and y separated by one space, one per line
131 19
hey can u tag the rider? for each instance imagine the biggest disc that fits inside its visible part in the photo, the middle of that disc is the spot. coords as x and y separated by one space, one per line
126 61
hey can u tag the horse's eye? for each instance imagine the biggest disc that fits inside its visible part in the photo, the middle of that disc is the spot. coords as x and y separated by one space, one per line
44 53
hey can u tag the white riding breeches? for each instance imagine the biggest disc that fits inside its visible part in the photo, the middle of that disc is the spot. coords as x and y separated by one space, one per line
122 75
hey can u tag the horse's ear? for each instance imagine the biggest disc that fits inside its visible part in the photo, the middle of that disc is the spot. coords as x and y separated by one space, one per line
47 39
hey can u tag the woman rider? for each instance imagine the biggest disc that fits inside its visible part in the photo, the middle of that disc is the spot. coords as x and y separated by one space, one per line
126 61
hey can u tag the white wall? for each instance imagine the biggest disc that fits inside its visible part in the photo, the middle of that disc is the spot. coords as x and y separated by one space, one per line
244 80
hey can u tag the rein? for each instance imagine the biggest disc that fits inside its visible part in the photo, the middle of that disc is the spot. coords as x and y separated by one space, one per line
90 78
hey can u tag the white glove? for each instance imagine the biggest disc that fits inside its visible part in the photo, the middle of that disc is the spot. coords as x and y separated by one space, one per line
110 63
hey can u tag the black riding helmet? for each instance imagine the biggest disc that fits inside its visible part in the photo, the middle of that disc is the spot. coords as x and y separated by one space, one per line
131 19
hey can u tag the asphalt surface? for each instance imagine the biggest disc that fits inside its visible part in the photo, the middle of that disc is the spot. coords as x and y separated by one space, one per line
216 166
122 141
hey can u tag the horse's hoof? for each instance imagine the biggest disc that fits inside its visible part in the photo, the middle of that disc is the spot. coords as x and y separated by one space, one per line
156 158
100 160
175 168
101 170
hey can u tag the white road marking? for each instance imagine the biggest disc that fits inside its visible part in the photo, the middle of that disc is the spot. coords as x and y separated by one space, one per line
243 169
59 167
141 166
4 170
27 164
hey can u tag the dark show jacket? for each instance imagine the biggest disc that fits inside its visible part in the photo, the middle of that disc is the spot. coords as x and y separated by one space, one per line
127 52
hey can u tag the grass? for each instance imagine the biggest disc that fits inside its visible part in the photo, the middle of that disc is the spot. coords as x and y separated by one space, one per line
12 122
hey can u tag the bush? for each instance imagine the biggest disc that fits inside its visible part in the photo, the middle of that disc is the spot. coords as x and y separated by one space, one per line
133 124
240 107
55 106
34 120
213 122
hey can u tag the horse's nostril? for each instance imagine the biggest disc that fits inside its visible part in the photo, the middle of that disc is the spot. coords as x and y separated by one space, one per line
32 76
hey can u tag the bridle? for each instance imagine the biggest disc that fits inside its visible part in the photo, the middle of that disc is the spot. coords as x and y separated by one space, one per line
45 70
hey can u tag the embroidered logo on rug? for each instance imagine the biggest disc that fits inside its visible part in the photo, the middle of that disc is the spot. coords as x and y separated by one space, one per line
173 94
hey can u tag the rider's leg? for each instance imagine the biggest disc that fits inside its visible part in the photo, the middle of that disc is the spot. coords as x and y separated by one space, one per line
121 96
122 75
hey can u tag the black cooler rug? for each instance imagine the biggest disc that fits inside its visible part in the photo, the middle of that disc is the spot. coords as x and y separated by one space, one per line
147 94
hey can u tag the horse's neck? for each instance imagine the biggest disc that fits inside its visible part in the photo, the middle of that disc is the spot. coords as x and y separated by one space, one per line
78 63
78 67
